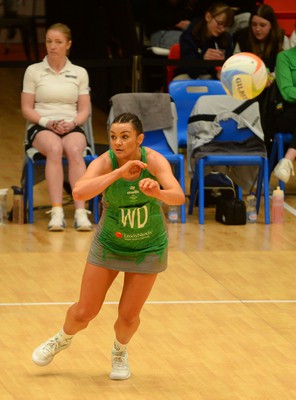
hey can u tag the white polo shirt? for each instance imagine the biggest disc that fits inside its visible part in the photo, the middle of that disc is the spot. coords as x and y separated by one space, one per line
56 94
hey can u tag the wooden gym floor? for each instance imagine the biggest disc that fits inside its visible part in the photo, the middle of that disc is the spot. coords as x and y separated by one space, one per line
220 323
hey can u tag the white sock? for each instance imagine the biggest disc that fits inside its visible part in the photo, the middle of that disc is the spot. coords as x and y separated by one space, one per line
64 335
119 346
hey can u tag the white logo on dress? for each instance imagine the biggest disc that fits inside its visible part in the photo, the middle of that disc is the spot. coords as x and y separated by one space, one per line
136 216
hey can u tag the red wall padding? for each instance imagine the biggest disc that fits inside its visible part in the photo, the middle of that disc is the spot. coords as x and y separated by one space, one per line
286 13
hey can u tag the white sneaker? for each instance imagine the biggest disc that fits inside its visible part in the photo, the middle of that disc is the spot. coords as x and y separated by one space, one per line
120 368
57 221
45 353
284 169
81 221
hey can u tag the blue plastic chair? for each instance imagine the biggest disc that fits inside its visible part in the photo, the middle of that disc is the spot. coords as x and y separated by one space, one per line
157 140
185 93
230 132
29 187
34 159
278 151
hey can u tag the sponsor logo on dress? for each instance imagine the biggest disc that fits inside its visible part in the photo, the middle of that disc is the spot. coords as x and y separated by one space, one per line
133 193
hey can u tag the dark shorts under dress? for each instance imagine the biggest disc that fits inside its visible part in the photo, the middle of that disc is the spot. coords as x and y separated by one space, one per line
35 129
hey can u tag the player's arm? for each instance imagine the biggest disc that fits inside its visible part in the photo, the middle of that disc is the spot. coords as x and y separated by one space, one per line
167 188
100 174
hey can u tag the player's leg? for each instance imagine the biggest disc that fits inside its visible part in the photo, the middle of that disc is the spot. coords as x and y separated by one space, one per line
94 287
95 284
136 290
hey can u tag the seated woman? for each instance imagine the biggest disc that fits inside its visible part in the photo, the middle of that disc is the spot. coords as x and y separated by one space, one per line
55 100
285 120
263 37
266 39
206 39
242 11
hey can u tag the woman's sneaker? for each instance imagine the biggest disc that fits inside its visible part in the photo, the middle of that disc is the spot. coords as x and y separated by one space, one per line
284 169
120 368
45 353
57 221
81 221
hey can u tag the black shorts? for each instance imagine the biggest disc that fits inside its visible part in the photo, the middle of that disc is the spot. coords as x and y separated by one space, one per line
35 129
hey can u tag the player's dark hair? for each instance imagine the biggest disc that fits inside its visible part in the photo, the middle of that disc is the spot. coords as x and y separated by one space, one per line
129 118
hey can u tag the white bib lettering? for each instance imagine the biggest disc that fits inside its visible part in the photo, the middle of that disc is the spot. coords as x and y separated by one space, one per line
135 218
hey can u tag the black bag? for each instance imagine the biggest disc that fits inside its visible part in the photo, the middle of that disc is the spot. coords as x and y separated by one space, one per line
218 185
231 212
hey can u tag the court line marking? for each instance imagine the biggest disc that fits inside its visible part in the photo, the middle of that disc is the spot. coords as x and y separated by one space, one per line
291 301
289 208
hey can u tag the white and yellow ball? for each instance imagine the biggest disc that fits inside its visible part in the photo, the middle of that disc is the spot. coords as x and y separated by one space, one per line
244 76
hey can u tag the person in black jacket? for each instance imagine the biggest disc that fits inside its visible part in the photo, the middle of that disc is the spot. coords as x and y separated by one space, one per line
242 11
206 39
263 36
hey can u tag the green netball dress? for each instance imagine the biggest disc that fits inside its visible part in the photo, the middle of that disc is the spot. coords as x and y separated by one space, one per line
131 235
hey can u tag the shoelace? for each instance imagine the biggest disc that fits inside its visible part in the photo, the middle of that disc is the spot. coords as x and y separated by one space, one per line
51 211
83 212
119 361
82 218
289 168
50 347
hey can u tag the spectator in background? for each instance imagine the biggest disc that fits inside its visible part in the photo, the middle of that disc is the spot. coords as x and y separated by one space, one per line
165 20
285 120
238 6
266 39
55 101
242 11
263 37
206 39
293 38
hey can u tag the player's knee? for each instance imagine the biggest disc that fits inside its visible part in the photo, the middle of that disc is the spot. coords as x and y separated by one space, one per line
129 318
83 314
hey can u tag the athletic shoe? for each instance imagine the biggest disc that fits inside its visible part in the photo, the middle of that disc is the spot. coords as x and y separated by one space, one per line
81 221
284 169
57 221
45 353
120 368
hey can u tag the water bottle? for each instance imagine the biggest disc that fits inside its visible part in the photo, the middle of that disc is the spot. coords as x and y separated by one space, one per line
3 197
173 214
277 208
251 208
18 205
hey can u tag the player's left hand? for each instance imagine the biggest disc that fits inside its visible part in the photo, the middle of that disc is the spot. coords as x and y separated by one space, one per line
150 187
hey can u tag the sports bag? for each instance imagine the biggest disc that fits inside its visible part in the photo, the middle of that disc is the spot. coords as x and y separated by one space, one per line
231 212
217 185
